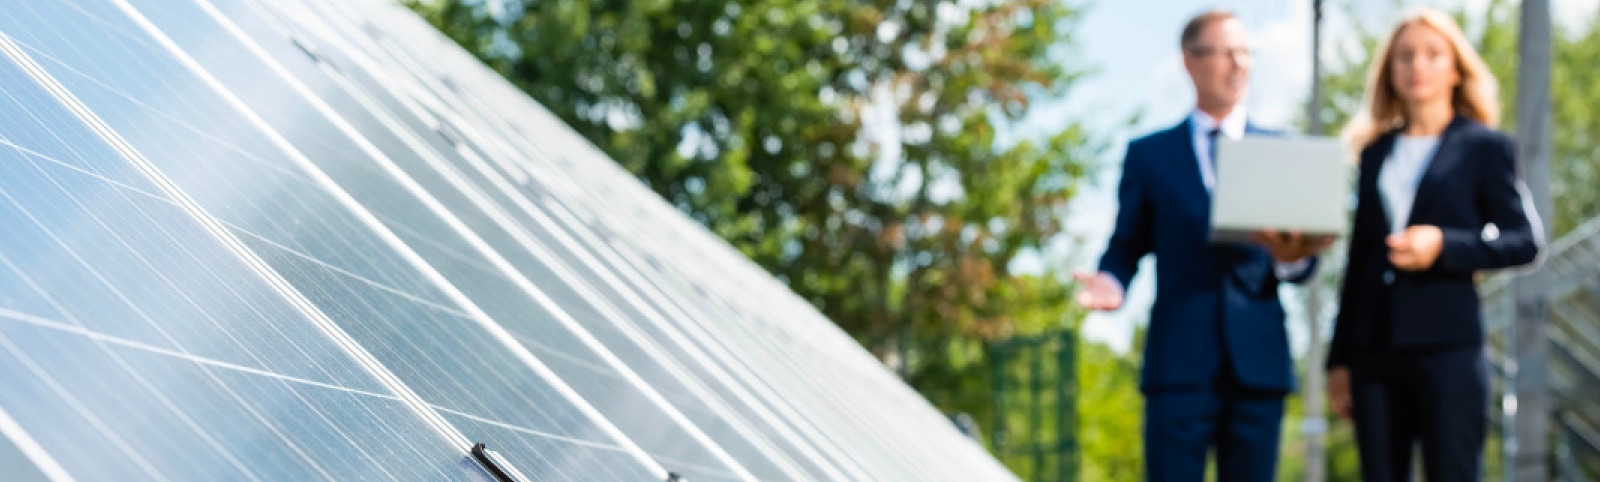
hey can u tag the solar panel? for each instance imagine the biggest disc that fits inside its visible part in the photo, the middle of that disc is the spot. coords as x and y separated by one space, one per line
281 240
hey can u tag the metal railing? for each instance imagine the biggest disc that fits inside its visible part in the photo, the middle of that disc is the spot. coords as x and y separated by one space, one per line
1573 264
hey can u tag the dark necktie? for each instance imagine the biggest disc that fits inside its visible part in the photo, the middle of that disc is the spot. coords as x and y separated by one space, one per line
1211 137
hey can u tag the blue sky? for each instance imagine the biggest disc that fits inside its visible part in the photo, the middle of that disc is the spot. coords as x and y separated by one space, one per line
1132 44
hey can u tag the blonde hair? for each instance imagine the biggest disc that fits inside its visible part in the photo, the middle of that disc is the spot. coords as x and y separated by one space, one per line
1475 97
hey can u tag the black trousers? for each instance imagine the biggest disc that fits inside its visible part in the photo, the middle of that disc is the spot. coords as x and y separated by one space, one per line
1435 399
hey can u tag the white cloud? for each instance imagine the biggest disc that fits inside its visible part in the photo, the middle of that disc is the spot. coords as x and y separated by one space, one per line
1168 94
1574 14
1282 68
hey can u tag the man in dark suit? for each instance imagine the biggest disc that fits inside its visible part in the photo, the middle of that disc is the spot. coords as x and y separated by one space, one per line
1217 362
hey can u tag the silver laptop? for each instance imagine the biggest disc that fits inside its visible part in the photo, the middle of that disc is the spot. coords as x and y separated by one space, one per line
1280 183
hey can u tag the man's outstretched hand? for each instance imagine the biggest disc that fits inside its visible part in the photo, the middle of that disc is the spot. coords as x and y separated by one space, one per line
1098 291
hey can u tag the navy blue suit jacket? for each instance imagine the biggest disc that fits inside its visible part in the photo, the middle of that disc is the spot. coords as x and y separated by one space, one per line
1470 183
1212 301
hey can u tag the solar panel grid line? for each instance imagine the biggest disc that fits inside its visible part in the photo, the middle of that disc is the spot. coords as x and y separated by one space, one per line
132 155
786 310
631 331
902 391
204 435
430 76
56 385
883 419
791 306
437 114
661 324
505 149
77 406
233 149
438 90
836 477
100 337
520 172
529 431
701 268
34 52
35 154
877 421
328 328
200 360
30 448
466 232
448 173
283 143
697 337
33 365
559 232
671 328
612 315
455 178
896 405
782 371
406 94
564 236
365 281
782 400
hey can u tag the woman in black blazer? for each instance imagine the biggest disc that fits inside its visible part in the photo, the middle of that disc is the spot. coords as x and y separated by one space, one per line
1439 199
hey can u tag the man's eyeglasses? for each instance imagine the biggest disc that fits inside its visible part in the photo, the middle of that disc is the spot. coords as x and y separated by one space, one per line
1235 52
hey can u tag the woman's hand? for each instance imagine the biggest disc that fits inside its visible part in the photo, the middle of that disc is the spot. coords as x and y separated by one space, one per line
1416 248
1339 391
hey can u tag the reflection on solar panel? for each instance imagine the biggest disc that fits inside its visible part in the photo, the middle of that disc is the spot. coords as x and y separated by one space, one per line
313 240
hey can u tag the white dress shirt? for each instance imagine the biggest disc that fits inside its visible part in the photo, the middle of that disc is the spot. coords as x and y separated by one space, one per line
1400 175
1200 127
1233 126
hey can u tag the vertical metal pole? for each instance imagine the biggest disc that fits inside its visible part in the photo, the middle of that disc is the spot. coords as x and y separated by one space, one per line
1314 424
1526 449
